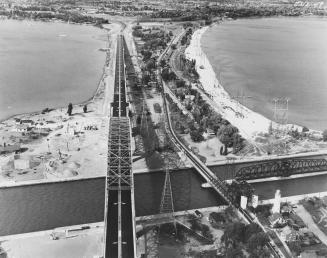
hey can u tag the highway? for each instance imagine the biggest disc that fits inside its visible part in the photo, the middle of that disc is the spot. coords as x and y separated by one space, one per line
119 209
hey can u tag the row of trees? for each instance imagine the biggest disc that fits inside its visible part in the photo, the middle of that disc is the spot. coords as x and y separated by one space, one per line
168 75
206 118
64 16
151 39
234 11
238 236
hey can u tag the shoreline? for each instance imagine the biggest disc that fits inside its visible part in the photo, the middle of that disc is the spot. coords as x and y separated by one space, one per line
79 151
101 78
252 122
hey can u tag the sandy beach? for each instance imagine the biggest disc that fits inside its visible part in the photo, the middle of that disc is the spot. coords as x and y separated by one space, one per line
66 146
247 121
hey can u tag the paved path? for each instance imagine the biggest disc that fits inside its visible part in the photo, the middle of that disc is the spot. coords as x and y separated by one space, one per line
306 217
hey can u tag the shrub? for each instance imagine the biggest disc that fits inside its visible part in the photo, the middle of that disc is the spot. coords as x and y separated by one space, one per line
295 247
257 241
196 135
305 129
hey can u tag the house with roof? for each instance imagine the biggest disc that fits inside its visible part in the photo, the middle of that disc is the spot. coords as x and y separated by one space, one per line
21 128
289 234
27 122
277 220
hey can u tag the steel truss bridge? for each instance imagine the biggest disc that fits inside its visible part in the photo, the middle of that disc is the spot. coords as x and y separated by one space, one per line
283 167
120 209
120 237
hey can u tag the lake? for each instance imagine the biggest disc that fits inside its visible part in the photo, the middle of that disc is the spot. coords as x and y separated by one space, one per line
268 58
47 64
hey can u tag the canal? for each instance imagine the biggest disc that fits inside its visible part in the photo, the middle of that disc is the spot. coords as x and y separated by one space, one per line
46 206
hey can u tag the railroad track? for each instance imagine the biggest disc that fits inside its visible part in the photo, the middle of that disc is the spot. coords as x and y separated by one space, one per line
217 184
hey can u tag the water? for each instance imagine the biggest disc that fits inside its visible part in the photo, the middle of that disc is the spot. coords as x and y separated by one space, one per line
186 188
47 64
46 206
274 57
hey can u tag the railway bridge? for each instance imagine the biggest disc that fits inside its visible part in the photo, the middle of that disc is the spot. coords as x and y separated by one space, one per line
120 237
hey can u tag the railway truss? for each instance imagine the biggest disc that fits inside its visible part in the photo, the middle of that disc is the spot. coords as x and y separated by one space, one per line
284 168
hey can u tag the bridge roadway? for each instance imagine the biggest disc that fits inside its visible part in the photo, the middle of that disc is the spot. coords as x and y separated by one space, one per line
217 184
119 203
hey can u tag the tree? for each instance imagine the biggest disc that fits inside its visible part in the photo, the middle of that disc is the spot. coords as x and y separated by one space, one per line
226 135
238 142
305 129
257 242
85 109
240 188
163 62
324 135
196 135
233 234
251 229
260 253
236 252
196 114
180 83
151 64
205 109
146 78
146 55
214 121
270 128
70 109
295 247
167 76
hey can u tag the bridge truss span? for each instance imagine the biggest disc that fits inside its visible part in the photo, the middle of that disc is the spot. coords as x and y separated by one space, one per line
283 167
119 154
120 206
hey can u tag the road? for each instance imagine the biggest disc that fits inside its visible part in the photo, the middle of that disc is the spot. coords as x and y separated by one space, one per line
119 210
207 174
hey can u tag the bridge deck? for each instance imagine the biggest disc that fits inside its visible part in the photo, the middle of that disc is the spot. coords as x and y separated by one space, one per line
119 212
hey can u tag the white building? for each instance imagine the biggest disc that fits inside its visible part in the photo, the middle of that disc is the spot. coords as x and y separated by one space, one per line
22 163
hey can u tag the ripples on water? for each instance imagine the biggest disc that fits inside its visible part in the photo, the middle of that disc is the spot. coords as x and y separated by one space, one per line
47 206
47 64
274 57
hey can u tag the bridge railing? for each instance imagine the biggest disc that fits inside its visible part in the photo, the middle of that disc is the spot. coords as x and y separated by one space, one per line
218 184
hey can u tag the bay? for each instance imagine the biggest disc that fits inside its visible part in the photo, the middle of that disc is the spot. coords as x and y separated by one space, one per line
267 58
47 64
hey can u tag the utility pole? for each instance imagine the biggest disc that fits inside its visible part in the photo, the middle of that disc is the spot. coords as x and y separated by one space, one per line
230 165
167 203
241 100
281 110
144 116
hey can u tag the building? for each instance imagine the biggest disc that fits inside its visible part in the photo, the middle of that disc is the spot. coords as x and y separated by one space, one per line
276 220
22 163
27 122
21 128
